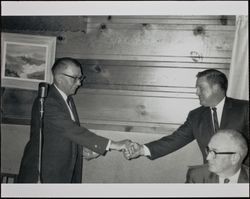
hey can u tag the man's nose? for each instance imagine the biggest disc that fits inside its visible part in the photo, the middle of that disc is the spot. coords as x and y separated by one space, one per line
78 82
209 157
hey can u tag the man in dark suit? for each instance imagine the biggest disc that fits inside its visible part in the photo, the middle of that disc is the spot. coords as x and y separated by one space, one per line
225 153
64 141
217 111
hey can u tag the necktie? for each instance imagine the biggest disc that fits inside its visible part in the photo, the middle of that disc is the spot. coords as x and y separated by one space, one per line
226 180
68 101
216 123
73 109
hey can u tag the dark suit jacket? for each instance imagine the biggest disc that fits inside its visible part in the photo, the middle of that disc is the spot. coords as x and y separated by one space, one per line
199 126
201 174
62 144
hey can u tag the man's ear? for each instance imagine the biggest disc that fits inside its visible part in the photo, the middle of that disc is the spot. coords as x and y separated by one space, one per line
216 88
58 79
235 158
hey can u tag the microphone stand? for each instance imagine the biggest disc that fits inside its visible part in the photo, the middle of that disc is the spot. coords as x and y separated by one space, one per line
40 139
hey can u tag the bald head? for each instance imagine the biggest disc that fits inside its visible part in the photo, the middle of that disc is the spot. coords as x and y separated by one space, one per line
231 140
62 64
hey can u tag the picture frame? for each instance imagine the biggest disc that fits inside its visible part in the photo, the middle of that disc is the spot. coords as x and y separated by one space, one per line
26 60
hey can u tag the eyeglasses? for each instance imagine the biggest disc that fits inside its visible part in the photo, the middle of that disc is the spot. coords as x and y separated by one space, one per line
214 153
81 78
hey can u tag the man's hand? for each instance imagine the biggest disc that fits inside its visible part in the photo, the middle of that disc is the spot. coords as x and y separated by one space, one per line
120 145
88 154
133 150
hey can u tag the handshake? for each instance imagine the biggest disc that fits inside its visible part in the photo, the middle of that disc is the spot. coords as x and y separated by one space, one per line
130 150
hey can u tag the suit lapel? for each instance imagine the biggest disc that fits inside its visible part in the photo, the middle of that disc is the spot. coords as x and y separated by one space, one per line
243 177
57 96
206 126
213 178
225 114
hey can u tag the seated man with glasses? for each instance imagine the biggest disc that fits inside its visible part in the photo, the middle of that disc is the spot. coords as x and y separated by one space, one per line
225 153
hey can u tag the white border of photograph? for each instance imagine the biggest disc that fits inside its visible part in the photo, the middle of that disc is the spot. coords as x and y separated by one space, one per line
30 55
133 190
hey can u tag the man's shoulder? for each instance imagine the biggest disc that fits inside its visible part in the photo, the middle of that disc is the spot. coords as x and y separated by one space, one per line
246 168
53 93
237 101
198 174
198 168
198 110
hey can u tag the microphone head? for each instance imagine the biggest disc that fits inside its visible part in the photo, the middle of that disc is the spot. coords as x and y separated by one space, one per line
43 89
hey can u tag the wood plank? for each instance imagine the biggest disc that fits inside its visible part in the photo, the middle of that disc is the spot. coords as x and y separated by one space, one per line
163 19
133 127
134 108
131 57
141 26
206 46
169 92
17 103
44 23
160 64
180 17
159 90
16 120
142 76
110 125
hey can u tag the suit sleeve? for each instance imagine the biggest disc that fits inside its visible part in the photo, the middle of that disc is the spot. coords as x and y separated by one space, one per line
168 144
57 123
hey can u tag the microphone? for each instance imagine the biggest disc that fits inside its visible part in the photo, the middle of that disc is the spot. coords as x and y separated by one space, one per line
43 90
42 93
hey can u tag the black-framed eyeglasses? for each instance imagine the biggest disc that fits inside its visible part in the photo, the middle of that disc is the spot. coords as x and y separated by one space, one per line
214 153
81 78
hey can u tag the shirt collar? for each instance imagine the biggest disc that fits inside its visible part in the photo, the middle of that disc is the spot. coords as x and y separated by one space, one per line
221 104
62 93
233 179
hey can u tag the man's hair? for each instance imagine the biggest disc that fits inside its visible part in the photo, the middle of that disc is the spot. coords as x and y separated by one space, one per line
62 64
215 77
239 142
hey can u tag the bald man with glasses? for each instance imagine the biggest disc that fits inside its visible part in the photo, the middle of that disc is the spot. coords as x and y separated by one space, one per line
225 153
65 142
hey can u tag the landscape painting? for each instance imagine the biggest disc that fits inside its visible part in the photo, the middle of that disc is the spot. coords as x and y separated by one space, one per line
26 60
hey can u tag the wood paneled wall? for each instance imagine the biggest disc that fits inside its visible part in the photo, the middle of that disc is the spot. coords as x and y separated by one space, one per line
140 69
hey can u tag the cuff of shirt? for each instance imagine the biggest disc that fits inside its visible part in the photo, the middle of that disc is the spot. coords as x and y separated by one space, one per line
108 145
146 151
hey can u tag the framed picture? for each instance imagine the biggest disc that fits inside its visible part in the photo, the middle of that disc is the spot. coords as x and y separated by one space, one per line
26 60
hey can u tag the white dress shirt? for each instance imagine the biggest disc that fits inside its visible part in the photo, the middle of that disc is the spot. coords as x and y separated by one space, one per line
232 179
219 110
